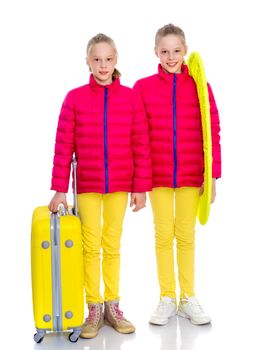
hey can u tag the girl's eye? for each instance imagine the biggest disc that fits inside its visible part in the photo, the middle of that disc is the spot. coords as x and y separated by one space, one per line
109 59
96 59
177 50
164 51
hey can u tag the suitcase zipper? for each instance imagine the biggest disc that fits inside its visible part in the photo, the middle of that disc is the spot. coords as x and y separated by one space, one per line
56 273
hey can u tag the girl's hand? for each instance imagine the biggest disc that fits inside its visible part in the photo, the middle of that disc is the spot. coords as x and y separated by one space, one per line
213 194
139 200
58 198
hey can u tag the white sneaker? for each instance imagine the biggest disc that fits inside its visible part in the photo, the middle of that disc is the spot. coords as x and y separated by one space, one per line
191 309
165 309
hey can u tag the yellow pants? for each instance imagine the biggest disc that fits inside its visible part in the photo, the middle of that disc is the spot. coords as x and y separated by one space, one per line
102 219
174 212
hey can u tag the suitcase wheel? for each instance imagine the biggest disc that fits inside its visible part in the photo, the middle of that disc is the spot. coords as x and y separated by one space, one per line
38 338
73 337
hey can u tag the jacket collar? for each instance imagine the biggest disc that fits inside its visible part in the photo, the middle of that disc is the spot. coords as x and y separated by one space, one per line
170 76
100 88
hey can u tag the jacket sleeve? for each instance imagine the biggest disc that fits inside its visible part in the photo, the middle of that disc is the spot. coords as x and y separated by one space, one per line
142 178
215 129
64 146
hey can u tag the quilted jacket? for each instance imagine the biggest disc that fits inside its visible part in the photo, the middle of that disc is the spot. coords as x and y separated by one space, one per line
173 112
107 128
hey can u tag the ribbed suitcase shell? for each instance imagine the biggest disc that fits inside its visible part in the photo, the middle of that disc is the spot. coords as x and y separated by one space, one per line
57 273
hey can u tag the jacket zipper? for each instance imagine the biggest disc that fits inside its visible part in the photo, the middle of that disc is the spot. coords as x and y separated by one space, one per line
106 142
174 128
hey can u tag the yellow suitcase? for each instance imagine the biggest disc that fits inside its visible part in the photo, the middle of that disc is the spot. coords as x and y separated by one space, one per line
57 273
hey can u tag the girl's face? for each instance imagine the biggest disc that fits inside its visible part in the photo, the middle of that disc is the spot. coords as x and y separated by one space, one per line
101 60
171 51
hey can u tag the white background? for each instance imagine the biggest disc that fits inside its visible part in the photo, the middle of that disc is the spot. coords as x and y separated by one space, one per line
43 46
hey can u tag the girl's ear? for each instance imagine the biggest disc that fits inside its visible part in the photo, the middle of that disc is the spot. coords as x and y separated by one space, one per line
186 49
156 52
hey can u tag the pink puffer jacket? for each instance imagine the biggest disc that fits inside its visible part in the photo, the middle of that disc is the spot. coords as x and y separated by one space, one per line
106 127
173 112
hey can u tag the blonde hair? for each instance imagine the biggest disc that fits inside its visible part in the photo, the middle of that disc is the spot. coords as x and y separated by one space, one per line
102 38
169 29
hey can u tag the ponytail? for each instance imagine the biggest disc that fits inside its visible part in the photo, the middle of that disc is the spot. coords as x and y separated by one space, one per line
116 74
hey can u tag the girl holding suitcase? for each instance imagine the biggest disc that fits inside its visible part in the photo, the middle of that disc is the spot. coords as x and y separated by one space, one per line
173 111
104 123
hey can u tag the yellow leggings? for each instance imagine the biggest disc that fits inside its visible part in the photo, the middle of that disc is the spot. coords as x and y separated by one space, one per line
165 203
102 219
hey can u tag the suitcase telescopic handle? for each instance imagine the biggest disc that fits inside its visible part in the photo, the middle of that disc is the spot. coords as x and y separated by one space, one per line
62 211
75 202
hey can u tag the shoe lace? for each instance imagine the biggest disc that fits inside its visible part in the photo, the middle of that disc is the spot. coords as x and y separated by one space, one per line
92 314
194 304
118 312
162 307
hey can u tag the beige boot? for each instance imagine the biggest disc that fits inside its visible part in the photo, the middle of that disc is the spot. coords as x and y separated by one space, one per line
114 317
94 321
